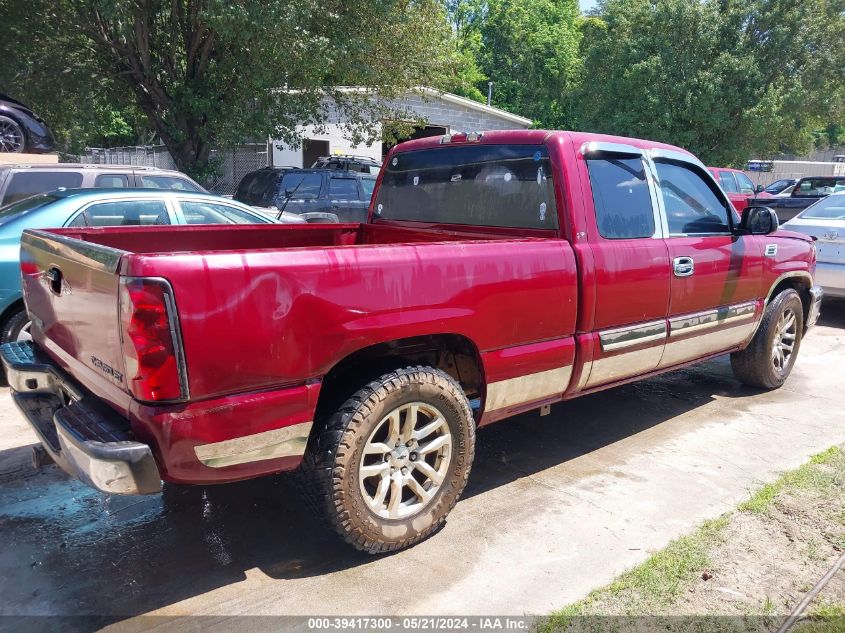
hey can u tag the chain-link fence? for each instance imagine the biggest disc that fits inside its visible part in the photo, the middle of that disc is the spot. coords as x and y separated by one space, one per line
233 163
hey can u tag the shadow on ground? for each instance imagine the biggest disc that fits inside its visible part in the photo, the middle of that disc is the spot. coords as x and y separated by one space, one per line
70 550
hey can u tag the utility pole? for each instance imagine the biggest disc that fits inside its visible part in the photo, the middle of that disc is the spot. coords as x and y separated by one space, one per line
489 93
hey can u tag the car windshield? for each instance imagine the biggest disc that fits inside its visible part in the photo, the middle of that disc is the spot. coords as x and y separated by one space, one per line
778 186
831 208
17 209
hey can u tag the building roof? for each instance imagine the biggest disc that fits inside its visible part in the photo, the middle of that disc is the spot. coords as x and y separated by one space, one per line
474 105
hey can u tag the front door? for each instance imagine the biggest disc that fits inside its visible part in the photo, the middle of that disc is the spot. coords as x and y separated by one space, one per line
715 275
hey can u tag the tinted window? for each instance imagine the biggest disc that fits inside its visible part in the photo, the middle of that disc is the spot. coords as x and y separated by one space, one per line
27 183
368 184
778 186
17 209
202 212
745 184
621 197
302 186
112 180
168 182
487 185
818 186
344 188
728 182
127 213
831 208
692 206
257 186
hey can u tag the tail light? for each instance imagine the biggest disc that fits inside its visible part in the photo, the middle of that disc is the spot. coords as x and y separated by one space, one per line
152 350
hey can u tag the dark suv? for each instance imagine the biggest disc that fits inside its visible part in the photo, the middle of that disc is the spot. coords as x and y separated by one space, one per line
348 162
320 195
22 181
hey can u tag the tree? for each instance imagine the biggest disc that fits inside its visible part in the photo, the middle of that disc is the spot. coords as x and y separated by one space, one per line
725 78
211 72
529 49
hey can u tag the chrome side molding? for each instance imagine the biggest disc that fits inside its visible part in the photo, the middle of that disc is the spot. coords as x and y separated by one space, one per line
620 338
289 441
709 319
513 391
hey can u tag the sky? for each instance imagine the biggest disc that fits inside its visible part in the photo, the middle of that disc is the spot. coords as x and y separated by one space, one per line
586 5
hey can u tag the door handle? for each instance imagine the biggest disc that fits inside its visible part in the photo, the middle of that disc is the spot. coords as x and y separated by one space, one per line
683 266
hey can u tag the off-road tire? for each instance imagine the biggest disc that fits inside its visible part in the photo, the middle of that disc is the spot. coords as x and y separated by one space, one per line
328 476
753 365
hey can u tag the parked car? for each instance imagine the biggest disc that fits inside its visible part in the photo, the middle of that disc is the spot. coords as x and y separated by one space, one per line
497 273
97 208
736 184
824 221
348 162
317 194
21 181
806 192
781 187
21 130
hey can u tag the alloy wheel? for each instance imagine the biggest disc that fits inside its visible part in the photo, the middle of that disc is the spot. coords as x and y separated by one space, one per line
784 340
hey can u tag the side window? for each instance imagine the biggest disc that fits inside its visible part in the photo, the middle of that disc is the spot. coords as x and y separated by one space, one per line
112 180
127 213
168 182
728 182
79 220
692 206
301 186
27 183
343 188
621 197
745 184
211 213
367 185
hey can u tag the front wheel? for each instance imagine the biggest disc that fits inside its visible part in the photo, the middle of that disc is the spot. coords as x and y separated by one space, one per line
769 358
390 464
12 138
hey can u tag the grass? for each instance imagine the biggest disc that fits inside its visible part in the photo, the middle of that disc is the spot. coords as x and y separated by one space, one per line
655 585
806 477
823 617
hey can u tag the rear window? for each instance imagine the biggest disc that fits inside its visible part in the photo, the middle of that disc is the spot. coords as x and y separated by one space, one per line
27 183
831 208
17 209
819 186
168 182
485 185
302 186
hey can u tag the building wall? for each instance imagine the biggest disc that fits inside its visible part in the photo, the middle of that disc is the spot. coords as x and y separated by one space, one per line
434 110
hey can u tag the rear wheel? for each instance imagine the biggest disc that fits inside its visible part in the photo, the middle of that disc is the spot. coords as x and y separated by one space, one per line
12 139
16 327
769 358
390 464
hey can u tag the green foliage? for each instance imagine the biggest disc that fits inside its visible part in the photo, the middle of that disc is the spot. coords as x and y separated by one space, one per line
728 80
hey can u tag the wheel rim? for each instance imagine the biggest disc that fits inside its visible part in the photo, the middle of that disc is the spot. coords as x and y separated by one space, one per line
11 137
784 341
25 334
405 461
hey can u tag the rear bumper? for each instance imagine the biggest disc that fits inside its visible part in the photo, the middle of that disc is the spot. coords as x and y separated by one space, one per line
86 439
831 277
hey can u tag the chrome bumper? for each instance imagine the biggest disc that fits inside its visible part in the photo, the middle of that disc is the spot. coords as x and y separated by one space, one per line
88 440
816 294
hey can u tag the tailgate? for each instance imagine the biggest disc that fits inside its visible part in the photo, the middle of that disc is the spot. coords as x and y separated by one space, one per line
71 291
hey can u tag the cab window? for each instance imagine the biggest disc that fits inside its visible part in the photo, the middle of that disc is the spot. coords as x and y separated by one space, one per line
692 205
621 197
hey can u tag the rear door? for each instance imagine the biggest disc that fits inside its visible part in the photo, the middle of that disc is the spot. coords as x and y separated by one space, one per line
630 256
716 276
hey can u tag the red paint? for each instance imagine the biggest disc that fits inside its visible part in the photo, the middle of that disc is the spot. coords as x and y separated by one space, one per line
739 199
266 312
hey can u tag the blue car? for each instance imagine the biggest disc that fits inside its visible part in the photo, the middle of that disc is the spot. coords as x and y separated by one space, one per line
98 207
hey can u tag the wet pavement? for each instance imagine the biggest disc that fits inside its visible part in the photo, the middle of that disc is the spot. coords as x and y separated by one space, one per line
556 506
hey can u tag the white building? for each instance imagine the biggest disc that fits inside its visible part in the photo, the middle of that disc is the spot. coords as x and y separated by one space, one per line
441 112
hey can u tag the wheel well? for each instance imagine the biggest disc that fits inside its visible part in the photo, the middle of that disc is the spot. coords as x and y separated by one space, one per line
452 353
802 286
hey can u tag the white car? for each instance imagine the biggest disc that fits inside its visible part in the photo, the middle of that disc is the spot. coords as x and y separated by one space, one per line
825 221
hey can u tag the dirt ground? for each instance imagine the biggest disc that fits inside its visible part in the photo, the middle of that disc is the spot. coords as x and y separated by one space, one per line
746 570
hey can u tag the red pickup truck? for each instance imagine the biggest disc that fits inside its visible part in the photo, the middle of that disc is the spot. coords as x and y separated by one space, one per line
498 273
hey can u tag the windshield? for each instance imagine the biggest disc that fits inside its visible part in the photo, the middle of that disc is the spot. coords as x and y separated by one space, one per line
17 209
831 208
778 185
484 185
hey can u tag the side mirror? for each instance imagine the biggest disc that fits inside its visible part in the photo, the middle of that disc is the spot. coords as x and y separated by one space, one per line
758 221
759 189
